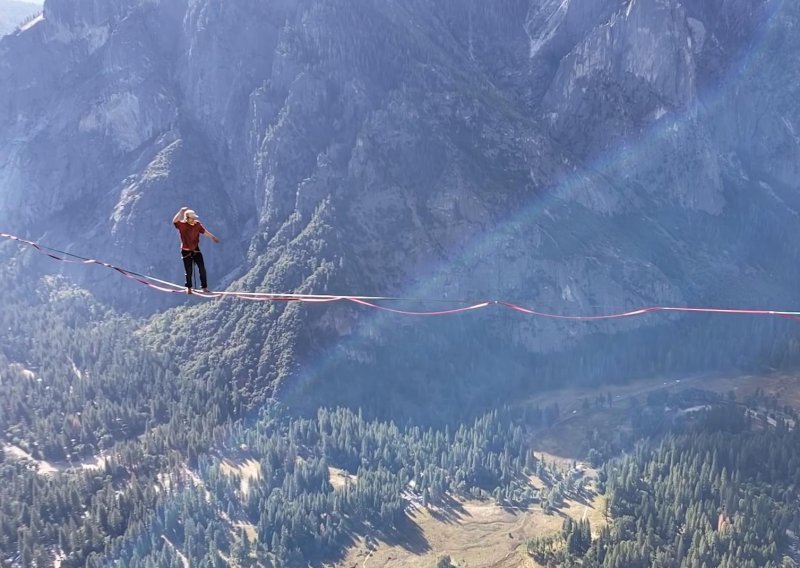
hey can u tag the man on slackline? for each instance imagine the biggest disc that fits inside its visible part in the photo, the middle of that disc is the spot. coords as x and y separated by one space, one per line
190 228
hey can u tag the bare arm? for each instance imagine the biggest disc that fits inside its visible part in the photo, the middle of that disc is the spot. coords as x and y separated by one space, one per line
211 236
179 215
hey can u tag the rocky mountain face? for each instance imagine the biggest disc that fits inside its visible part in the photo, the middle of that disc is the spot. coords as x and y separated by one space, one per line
577 156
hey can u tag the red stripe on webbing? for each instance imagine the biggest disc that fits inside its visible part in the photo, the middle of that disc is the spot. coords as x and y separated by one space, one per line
269 297
729 311
652 309
632 313
145 282
410 313
122 271
368 301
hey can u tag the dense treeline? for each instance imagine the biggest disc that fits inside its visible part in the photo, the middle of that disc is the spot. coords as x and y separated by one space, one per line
297 512
80 514
720 493
78 380
148 509
574 540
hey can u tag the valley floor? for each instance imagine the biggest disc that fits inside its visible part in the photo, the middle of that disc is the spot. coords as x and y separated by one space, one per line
477 533
472 533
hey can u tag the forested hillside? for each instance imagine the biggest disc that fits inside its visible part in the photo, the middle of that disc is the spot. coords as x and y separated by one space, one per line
719 490
174 476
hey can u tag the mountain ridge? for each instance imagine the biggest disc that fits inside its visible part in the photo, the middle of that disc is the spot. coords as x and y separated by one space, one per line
14 12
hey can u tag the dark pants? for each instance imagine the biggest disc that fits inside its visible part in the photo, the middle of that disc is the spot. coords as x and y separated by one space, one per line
196 257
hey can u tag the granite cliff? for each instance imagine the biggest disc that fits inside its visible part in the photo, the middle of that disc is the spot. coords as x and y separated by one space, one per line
574 155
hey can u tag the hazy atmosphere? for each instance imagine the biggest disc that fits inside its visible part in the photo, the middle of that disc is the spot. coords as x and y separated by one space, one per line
420 283
15 13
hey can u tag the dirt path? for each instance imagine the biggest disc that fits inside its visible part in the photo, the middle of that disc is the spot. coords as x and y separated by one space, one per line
51 468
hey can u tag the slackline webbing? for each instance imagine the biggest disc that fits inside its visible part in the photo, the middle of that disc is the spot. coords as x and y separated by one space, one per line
371 301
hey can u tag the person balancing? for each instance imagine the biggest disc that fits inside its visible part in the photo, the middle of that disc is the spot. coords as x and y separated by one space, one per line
190 228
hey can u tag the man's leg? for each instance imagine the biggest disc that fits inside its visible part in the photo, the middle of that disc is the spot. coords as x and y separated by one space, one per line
187 267
201 266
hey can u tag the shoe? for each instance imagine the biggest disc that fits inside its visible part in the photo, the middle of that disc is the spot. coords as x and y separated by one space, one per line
188 290
206 291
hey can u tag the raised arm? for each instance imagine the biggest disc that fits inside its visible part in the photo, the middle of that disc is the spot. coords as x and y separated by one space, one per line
179 215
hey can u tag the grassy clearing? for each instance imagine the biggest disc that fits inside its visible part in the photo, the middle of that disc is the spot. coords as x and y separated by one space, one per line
339 477
247 471
21 371
44 467
472 533
476 533
248 529
786 388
